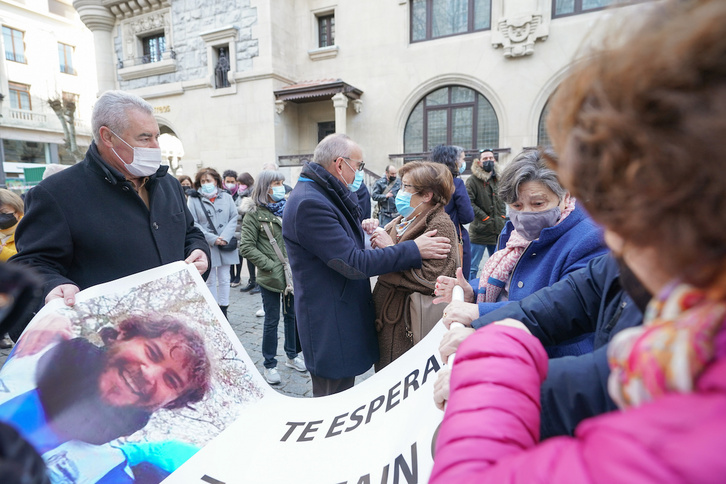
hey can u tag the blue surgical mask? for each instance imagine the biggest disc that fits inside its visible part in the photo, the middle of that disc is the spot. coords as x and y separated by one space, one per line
278 193
530 224
403 204
462 168
356 181
208 188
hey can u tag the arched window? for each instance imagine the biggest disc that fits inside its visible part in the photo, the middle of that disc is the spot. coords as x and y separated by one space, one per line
543 137
452 115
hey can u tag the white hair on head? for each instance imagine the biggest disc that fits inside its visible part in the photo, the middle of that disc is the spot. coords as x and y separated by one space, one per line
111 110
331 147
52 169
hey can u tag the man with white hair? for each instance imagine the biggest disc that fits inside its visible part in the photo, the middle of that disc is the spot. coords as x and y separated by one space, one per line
116 213
330 266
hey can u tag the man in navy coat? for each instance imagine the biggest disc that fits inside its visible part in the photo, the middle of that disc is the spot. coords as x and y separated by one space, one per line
330 266
116 213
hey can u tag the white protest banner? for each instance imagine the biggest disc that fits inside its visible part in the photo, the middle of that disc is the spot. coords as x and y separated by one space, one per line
380 431
143 372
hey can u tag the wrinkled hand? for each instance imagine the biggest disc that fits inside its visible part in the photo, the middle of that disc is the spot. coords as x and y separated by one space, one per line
451 341
445 285
199 259
51 328
441 388
220 241
370 225
460 312
513 323
67 292
431 247
381 239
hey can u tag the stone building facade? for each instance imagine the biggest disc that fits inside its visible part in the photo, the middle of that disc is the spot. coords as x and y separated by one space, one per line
244 82
48 55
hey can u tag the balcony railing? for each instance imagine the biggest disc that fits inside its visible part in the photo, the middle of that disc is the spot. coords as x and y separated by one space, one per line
23 115
147 59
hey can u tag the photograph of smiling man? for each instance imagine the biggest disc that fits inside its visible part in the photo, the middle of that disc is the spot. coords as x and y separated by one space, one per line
127 384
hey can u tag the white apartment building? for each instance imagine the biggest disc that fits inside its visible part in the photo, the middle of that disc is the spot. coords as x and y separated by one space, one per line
48 55
244 82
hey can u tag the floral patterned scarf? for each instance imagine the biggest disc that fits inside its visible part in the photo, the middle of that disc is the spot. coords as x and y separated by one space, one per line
498 269
669 351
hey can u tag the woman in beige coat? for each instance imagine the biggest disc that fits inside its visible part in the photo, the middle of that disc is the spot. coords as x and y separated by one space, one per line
426 188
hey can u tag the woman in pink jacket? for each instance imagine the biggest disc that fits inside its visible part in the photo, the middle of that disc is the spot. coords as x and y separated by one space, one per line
641 129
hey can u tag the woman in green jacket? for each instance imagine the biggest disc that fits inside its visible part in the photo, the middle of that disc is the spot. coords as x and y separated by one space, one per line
265 208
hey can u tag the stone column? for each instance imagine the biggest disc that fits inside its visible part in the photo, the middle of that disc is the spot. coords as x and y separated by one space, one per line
100 21
340 102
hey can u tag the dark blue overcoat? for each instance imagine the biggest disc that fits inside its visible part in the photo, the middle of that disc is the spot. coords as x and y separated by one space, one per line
330 268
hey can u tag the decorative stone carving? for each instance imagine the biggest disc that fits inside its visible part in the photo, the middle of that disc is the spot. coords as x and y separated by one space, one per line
135 28
148 23
517 35
279 106
357 106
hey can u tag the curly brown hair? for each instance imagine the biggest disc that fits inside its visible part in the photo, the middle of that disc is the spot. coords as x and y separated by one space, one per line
640 127
151 326
431 177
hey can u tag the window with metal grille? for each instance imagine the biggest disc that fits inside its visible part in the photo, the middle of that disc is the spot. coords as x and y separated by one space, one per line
453 115
65 56
431 19
14 45
561 8
326 30
543 137
154 47
19 96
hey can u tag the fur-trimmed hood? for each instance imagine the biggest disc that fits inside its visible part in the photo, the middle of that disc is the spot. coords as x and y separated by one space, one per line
247 205
479 172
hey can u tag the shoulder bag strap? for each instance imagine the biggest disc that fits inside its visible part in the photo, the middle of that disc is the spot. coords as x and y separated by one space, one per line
389 187
209 219
285 263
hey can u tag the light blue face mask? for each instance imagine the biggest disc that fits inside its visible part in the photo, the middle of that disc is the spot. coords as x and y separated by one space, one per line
208 188
278 193
356 181
403 203
462 168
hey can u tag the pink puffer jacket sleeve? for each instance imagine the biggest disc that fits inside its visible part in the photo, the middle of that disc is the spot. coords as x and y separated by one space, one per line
490 429
494 410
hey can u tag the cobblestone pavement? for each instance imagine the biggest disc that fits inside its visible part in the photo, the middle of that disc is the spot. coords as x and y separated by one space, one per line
248 327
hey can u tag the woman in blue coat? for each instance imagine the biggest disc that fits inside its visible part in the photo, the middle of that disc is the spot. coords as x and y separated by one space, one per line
547 237
459 206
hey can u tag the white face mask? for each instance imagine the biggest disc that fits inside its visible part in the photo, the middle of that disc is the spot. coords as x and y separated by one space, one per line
146 160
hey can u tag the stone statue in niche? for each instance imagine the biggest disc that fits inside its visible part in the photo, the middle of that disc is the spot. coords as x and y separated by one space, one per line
221 69
517 35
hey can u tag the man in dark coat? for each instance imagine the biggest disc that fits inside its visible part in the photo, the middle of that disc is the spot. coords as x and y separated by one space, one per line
602 298
384 194
364 201
116 213
489 210
330 267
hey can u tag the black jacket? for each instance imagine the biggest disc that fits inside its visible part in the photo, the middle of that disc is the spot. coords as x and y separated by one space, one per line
387 205
87 225
588 300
